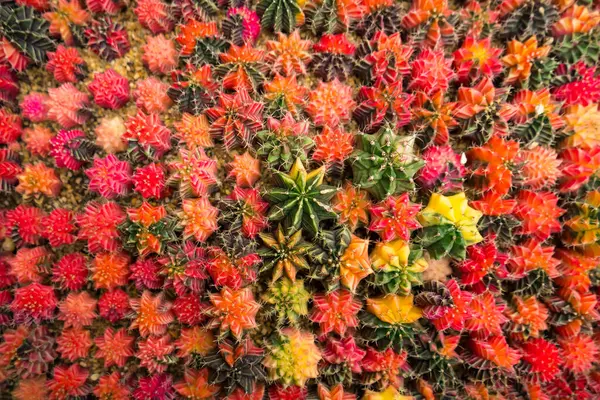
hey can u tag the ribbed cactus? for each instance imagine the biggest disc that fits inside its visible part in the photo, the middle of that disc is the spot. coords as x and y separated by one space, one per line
26 31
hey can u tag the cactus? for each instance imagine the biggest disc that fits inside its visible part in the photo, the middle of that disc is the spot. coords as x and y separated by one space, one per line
396 267
302 199
293 357
531 18
382 165
279 15
107 39
284 252
333 57
27 32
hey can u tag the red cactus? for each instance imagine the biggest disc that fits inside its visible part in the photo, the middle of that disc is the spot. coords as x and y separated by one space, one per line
394 218
28 264
153 353
113 305
110 387
195 172
70 272
110 89
26 222
9 168
66 64
386 365
389 58
98 225
159 385
477 58
335 311
451 316
62 146
433 113
232 272
60 228
104 6
344 351
583 87
115 347
188 309
578 166
254 208
160 55
483 259
74 343
154 15
250 23
541 359
494 349
236 119
149 181
433 14
77 310
69 381
383 102
34 302
9 85
146 274
109 176
10 127
539 213
431 72
443 168
68 106
151 96
34 107
107 39
148 131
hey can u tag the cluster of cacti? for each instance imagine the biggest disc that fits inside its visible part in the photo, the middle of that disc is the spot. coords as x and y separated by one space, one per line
289 199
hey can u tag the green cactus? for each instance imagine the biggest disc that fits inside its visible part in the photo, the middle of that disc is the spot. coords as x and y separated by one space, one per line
542 73
578 47
301 199
284 252
327 254
278 15
289 300
539 130
28 32
322 17
382 165
532 18
281 151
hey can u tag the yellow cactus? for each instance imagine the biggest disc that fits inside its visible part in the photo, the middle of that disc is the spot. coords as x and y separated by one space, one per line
390 393
453 210
293 358
355 264
583 122
393 256
394 309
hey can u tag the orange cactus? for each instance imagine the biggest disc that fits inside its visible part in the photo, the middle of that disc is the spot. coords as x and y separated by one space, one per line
528 103
193 130
352 206
233 310
529 317
333 146
487 317
238 57
540 167
38 179
492 162
355 264
477 58
67 13
289 54
331 103
576 19
433 12
152 314
431 111
496 350
575 269
539 213
110 270
199 218
531 256
288 91
245 169
192 31
520 57
336 392
578 352
579 165
583 124
196 340
196 385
